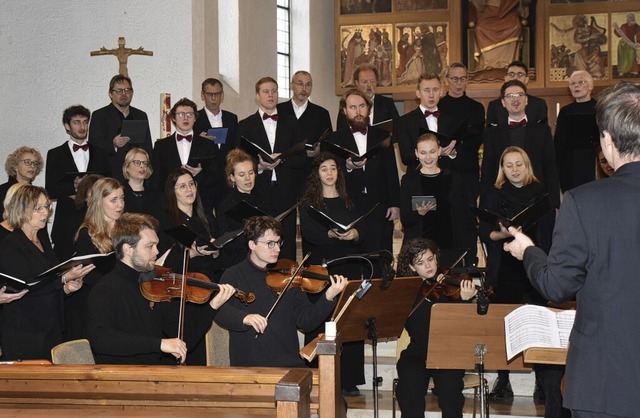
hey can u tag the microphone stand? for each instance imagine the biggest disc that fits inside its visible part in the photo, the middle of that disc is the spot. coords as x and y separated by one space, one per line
480 353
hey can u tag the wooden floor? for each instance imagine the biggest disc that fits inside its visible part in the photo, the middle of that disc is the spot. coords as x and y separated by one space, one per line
520 406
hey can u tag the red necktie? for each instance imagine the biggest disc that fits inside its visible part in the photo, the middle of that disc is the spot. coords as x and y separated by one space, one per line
435 113
362 131
181 137
522 123
274 116
84 147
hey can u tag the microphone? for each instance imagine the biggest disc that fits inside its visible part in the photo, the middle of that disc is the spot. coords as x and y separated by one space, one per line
375 254
388 274
483 304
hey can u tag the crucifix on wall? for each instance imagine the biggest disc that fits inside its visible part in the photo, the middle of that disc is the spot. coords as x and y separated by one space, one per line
122 54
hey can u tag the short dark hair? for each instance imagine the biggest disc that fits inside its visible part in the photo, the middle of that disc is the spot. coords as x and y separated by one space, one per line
264 80
127 228
354 92
411 250
119 78
618 113
75 110
512 83
365 67
212 82
183 102
256 226
519 64
428 76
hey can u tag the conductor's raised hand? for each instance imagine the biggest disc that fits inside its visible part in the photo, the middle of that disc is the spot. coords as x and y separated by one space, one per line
338 283
256 321
223 295
519 244
174 346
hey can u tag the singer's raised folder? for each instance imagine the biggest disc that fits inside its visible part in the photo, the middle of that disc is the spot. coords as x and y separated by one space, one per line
330 223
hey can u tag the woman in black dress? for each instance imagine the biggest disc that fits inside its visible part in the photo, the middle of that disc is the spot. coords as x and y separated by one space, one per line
138 194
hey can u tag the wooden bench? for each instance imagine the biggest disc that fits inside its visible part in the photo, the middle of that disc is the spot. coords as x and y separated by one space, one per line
177 391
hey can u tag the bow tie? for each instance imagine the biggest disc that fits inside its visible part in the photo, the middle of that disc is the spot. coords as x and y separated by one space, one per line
187 137
274 116
435 113
522 123
360 131
84 147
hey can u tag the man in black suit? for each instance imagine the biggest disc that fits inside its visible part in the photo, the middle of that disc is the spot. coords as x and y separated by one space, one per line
183 149
536 107
106 125
75 155
212 116
460 126
366 77
313 120
274 133
595 251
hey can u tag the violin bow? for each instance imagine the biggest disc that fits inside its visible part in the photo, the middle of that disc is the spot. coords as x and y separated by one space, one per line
295 273
437 282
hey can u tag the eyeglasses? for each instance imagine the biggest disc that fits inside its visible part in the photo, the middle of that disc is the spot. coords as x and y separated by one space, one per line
40 209
512 96
122 91
212 94
79 122
456 80
577 83
184 186
185 115
139 163
516 75
272 244
30 163
300 85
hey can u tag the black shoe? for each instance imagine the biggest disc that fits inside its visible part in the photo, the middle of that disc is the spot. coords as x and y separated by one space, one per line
501 390
352 391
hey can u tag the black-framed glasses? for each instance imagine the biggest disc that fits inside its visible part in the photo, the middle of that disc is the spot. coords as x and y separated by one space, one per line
30 163
139 163
272 244
456 80
122 91
519 74
212 94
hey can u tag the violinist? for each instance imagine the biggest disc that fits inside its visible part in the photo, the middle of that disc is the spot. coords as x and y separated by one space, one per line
420 257
124 327
326 191
277 344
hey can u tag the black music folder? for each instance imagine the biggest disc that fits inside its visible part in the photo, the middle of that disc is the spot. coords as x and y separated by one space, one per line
256 150
330 223
443 139
421 200
312 145
135 130
387 125
346 153
526 218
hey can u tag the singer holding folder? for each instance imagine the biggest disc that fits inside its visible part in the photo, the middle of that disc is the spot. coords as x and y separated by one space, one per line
420 257
32 325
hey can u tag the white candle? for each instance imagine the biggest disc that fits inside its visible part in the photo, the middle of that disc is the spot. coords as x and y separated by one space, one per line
557 109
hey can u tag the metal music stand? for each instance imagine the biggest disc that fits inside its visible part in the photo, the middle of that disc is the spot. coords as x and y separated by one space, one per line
379 314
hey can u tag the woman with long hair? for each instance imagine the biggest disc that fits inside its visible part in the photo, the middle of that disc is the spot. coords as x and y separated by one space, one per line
105 205
241 178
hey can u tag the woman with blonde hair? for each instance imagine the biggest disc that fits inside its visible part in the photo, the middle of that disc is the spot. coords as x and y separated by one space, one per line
22 166
138 194
106 204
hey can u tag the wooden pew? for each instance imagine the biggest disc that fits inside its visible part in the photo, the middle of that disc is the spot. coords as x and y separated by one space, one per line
177 391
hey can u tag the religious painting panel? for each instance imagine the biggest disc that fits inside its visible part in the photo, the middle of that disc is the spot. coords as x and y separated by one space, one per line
421 48
579 42
575 1
414 5
625 45
361 44
351 7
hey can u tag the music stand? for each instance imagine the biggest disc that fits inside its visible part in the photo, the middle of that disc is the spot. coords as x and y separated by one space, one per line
379 314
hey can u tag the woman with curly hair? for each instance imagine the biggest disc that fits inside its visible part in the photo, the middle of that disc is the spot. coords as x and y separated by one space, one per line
22 166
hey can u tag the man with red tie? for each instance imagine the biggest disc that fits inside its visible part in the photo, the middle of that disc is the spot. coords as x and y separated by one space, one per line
275 133
183 148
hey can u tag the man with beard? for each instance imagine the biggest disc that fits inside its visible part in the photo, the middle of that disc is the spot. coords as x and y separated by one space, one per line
274 132
106 124
370 181
124 327
312 119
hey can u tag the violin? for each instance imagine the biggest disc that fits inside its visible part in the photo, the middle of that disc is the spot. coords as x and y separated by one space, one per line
449 286
311 279
167 285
